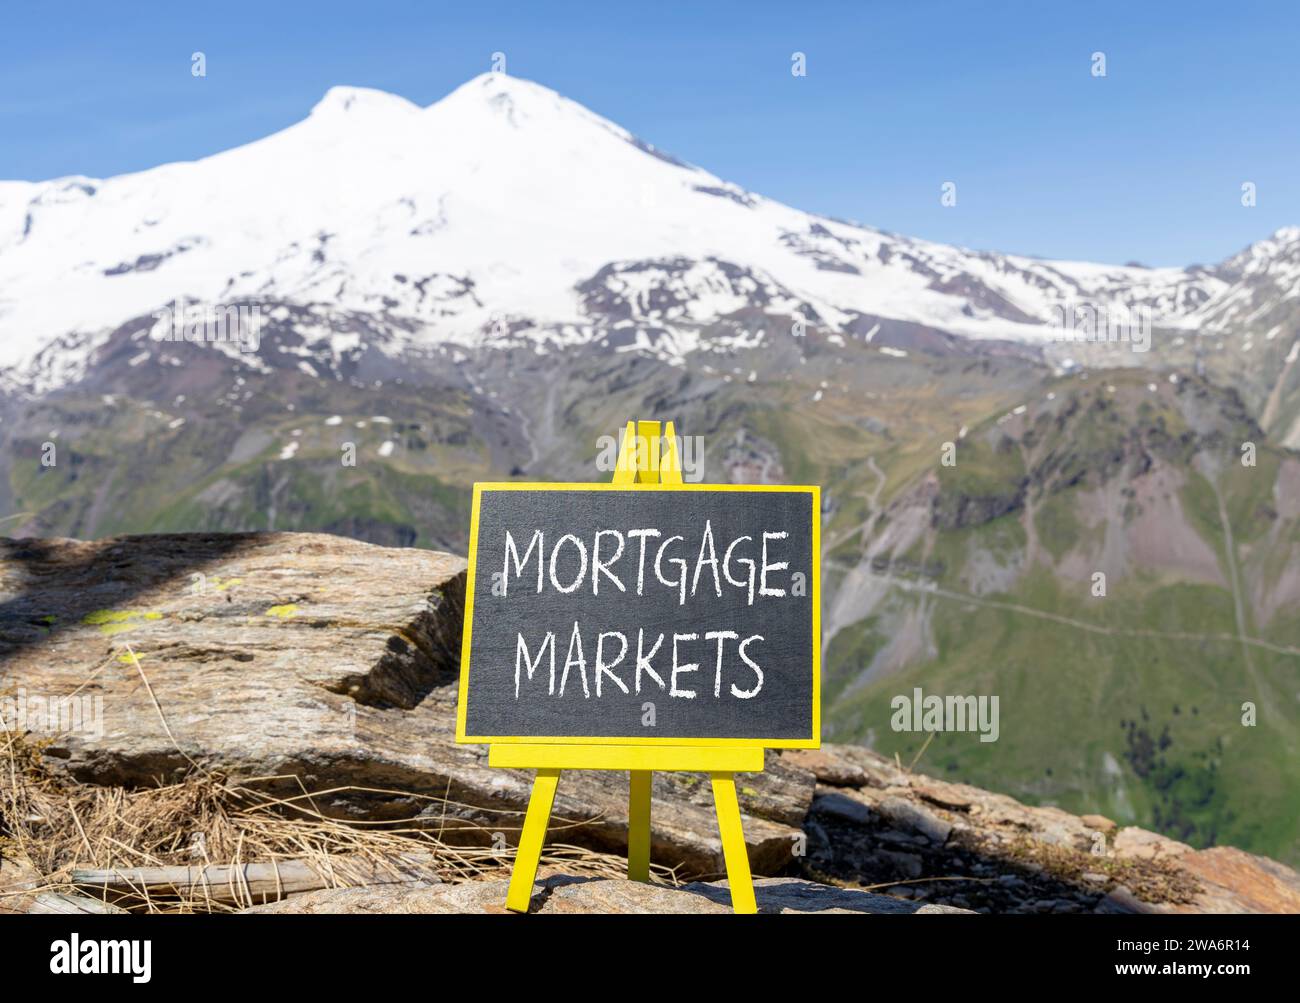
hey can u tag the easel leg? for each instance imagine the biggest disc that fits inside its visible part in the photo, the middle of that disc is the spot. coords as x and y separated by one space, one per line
531 839
733 843
638 825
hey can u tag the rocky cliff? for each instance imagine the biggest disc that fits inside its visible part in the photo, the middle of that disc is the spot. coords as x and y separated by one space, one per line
318 672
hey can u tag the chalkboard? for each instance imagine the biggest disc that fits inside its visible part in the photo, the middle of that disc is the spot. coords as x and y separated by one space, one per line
644 614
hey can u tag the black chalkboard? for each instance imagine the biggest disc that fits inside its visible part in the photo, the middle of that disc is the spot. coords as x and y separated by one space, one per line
570 583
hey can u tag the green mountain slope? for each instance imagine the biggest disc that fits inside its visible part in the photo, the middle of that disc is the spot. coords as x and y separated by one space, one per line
1129 703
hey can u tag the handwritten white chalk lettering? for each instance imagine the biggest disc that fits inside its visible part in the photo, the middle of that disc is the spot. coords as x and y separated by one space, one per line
611 558
641 616
727 664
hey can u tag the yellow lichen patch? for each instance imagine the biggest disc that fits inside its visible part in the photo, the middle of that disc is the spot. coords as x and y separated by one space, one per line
115 621
283 612
102 616
221 584
129 659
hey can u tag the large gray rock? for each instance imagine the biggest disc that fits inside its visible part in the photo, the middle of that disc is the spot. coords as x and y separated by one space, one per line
559 894
322 660
876 824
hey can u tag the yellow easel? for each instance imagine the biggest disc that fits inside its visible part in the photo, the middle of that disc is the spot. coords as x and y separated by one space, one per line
641 458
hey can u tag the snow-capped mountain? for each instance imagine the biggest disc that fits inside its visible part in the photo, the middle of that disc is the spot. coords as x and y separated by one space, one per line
489 288
505 211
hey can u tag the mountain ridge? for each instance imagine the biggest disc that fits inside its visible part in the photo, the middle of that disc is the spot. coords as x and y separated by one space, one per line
506 212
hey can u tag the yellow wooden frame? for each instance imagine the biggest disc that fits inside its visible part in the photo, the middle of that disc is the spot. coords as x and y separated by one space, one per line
644 463
811 741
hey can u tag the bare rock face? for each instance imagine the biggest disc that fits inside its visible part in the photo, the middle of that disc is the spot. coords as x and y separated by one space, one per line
558 895
1234 881
916 835
311 657
237 652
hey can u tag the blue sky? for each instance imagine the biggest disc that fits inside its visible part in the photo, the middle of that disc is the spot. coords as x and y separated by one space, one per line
1144 164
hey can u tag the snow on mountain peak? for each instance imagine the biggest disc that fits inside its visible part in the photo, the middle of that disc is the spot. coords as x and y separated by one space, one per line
362 101
505 95
487 86
503 201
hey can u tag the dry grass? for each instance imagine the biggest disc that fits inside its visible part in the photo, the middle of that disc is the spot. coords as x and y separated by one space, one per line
56 825
1150 880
